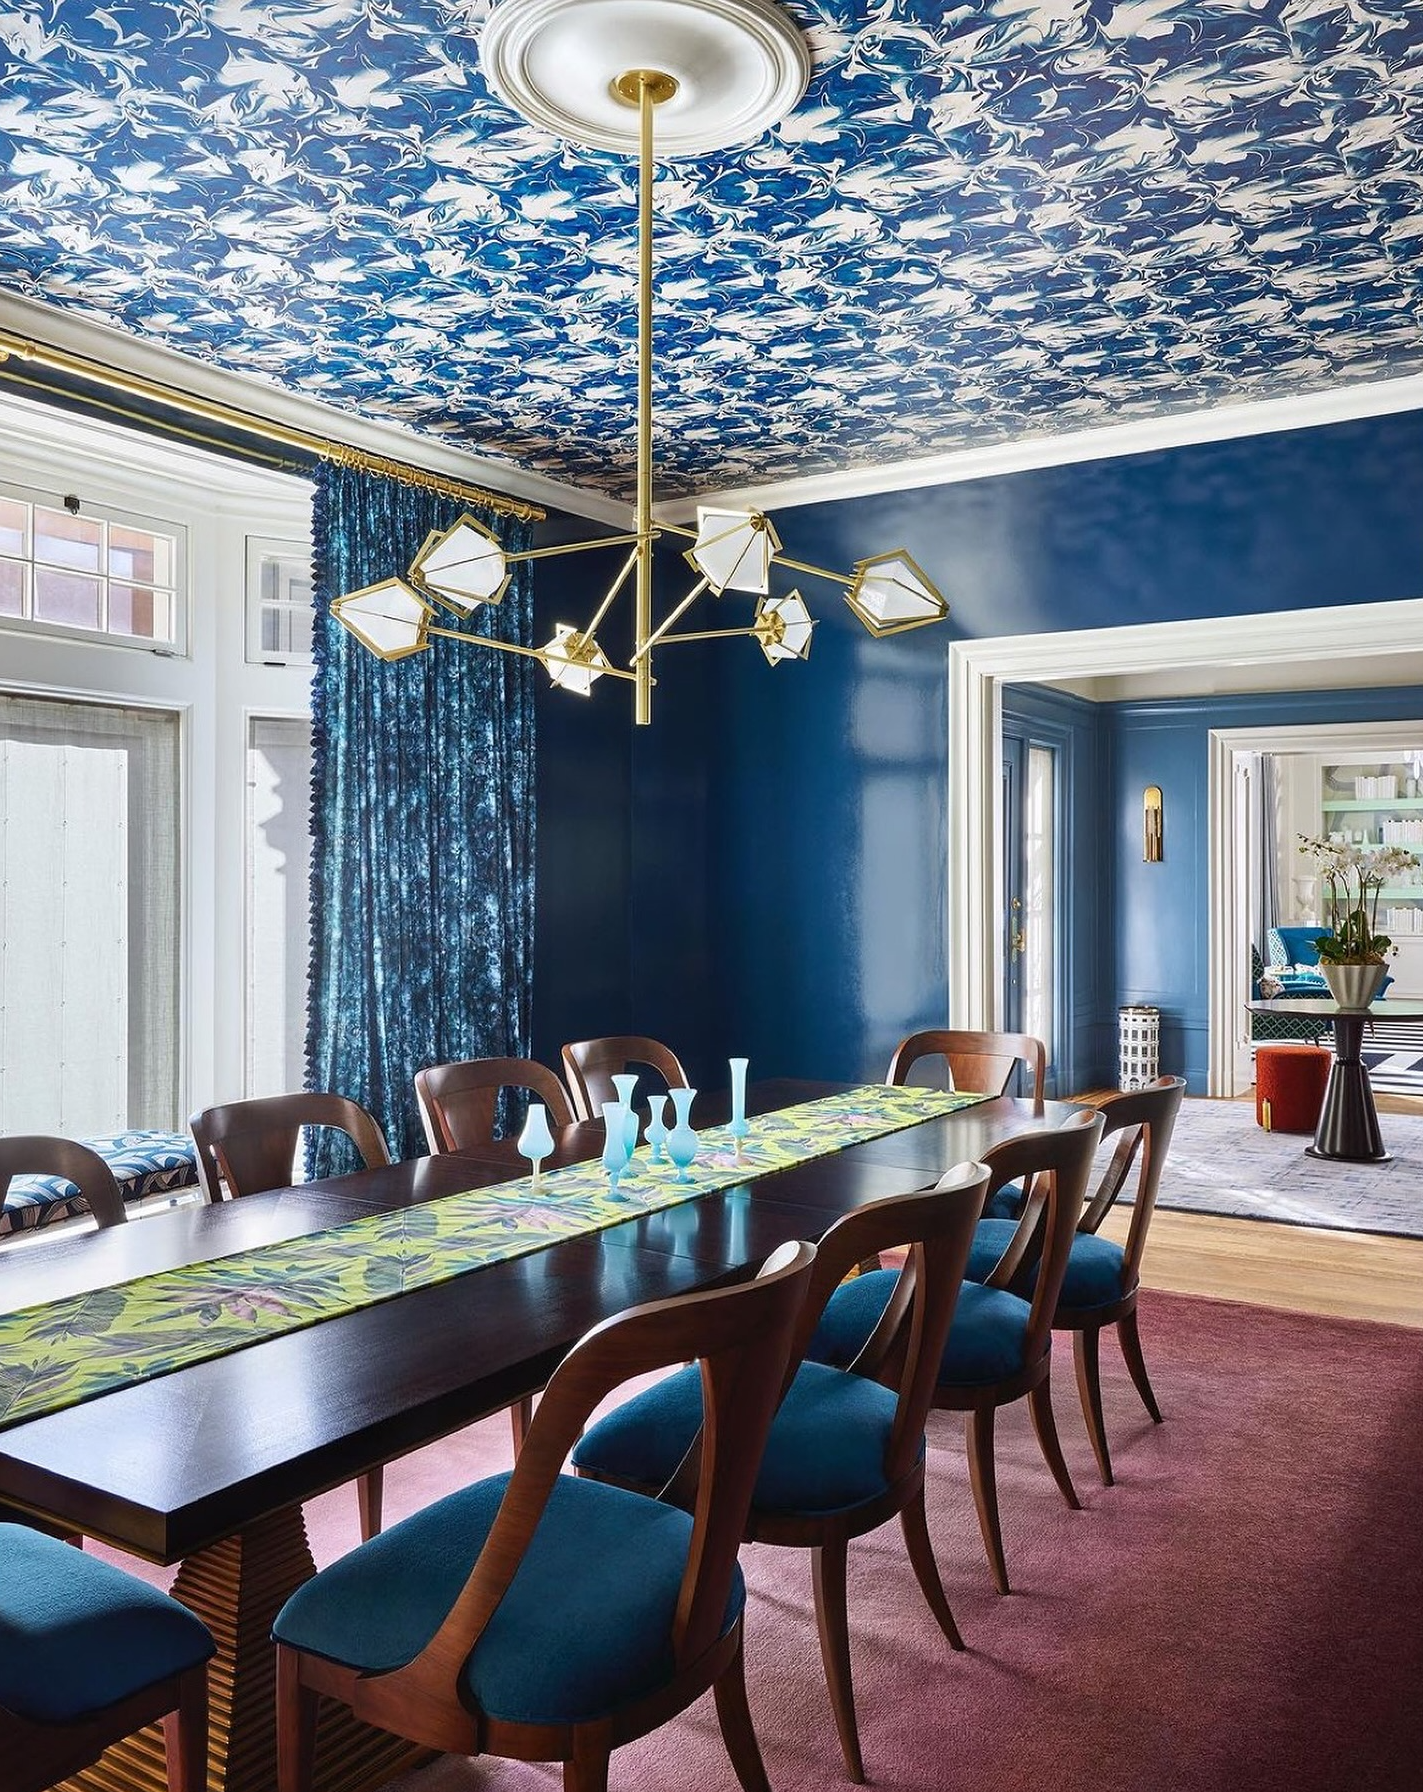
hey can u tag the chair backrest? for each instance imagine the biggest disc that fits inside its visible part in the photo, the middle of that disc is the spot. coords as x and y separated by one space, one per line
39 1154
1055 1167
1145 1118
1294 945
250 1146
742 1338
457 1101
590 1065
981 1062
907 1345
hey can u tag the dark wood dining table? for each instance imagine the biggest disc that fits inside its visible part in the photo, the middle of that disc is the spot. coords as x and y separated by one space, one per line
207 1466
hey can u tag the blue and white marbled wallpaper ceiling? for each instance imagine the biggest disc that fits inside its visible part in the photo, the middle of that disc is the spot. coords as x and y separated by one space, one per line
983 222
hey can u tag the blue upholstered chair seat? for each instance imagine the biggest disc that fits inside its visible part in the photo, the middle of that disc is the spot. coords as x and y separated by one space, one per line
825 1452
585 1627
986 1340
1094 1266
1004 1203
77 1635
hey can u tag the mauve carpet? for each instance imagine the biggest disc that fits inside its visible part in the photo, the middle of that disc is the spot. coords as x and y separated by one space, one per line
1242 1612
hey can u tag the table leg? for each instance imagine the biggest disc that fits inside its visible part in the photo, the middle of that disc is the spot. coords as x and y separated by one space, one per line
237 1587
1348 1122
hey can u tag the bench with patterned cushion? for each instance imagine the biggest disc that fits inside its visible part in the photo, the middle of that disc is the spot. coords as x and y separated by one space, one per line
143 1163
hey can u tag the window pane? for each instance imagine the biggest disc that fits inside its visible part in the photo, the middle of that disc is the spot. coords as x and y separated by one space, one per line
65 540
135 610
14 527
12 588
65 597
135 554
278 887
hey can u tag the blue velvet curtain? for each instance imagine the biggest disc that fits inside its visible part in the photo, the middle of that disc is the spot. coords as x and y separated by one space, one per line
422 885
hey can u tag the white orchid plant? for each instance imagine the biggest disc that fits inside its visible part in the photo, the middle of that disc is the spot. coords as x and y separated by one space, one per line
1355 876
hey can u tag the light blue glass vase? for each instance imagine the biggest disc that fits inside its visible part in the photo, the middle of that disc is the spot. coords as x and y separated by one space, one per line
740 1125
657 1127
536 1141
682 1141
625 1084
615 1142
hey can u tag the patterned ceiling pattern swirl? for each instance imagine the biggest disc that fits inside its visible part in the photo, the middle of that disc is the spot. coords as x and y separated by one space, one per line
985 221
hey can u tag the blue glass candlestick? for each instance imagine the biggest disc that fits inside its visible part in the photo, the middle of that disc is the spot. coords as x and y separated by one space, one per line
740 1125
615 1142
625 1084
682 1141
657 1127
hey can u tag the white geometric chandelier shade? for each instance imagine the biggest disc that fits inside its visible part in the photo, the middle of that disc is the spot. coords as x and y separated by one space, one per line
726 70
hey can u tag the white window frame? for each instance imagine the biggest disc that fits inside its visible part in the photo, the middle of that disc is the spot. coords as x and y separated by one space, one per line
178 647
262 549
251 720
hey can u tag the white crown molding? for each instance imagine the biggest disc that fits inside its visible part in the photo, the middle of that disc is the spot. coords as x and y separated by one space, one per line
101 342
1343 404
978 669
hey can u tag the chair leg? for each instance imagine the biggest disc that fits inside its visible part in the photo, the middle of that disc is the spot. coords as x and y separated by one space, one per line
914 1522
370 1497
586 1769
1045 1425
984 1482
185 1734
521 1415
1136 1363
734 1716
1086 1357
827 1571
296 1725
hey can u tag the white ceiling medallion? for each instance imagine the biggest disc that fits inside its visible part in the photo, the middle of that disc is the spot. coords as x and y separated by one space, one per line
740 67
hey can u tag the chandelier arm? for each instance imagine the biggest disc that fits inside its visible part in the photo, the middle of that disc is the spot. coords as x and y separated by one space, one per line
613 591
816 572
528 653
570 547
707 634
645 646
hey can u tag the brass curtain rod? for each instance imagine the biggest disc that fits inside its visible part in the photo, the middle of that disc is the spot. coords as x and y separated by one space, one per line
79 367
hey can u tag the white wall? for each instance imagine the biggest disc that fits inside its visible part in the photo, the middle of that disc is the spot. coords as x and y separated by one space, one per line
219 503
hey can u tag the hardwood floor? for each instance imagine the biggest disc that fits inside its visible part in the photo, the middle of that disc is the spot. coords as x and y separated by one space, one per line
1355 1275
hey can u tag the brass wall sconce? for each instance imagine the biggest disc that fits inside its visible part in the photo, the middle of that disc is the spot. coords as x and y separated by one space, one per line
1153 836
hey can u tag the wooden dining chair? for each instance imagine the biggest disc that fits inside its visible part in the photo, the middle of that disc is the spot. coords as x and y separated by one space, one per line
981 1062
92 1655
249 1147
591 1064
38 1154
546 1618
1000 1344
458 1101
846 1449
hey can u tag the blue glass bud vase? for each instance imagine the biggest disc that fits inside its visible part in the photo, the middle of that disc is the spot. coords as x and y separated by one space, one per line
615 1142
682 1141
657 1127
625 1084
536 1141
740 1125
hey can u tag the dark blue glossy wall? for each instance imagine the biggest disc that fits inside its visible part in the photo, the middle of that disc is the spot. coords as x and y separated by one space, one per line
1156 944
827 796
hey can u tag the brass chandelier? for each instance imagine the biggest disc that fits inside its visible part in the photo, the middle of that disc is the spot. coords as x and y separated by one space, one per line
731 550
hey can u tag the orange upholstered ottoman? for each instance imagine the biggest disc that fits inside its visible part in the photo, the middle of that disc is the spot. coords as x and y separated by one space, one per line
1289 1086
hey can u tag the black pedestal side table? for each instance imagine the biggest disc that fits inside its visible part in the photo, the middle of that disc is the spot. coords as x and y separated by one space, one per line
1348 1122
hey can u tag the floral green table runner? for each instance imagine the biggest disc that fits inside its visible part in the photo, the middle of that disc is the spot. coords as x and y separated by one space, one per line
70 1350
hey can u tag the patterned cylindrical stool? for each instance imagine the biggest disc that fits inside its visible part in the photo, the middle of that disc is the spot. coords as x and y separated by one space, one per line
1289 1086
1139 1046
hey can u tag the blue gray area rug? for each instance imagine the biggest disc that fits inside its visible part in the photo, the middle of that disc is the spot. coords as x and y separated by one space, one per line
1394 1055
1221 1162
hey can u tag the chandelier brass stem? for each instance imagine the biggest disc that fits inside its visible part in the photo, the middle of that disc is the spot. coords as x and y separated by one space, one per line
650 86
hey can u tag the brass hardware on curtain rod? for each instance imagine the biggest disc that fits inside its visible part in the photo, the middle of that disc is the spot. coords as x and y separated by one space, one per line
215 411
732 550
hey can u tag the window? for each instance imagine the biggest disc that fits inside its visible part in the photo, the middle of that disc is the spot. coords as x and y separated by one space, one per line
72 567
278 888
89 907
278 603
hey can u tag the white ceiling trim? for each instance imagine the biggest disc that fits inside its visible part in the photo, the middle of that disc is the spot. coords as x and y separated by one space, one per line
1343 404
58 329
